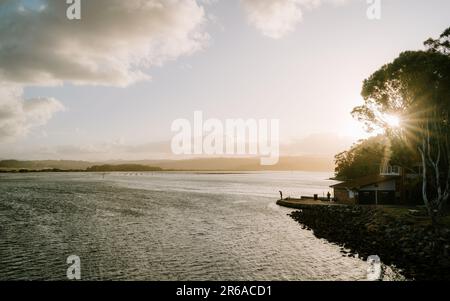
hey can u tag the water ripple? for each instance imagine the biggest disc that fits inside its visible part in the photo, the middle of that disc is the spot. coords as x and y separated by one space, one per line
158 227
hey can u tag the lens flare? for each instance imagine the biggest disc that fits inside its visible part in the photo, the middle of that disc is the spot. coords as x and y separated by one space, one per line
392 120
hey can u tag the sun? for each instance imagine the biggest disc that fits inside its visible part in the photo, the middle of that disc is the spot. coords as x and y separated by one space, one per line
392 120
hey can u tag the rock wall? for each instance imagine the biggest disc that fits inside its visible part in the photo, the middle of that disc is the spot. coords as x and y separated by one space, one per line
413 247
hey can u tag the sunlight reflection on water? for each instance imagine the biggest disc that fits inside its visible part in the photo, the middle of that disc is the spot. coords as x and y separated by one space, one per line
164 226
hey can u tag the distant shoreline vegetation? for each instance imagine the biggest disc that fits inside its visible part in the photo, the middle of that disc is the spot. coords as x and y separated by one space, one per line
23 170
96 168
286 163
15 166
122 167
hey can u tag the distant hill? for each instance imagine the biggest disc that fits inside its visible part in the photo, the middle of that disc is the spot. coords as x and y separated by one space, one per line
305 163
45 164
123 167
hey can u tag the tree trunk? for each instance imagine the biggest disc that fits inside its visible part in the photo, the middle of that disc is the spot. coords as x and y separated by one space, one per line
435 184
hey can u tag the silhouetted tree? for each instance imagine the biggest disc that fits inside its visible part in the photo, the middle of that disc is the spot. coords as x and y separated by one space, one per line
416 87
362 159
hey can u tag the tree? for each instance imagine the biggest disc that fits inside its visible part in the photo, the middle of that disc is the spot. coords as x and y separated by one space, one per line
441 45
362 159
415 87
365 157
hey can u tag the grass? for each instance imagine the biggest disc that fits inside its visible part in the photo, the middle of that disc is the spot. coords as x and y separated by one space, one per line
389 212
404 213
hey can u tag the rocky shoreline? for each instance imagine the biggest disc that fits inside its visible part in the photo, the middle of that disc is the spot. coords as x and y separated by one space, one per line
406 242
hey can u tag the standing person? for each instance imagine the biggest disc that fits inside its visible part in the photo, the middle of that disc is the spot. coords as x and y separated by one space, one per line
329 196
281 195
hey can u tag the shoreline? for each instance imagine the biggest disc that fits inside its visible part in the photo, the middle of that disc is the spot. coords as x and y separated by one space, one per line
401 237
304 203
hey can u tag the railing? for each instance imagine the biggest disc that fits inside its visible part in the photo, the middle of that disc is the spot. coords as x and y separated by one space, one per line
390 170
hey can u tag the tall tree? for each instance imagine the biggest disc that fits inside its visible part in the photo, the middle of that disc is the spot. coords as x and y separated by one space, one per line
415 88
362 159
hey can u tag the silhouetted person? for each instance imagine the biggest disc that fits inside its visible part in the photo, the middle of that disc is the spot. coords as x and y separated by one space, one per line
281 195
329 196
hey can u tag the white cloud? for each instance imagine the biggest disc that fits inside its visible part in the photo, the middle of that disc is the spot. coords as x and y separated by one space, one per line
277 18
113 44
274 18
17 116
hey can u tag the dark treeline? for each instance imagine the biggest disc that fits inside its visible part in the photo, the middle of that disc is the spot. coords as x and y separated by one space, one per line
414 89
122 167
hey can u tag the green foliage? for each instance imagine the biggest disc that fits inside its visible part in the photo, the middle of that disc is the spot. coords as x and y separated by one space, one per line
416 88
412 86
362 159
441 45
43 165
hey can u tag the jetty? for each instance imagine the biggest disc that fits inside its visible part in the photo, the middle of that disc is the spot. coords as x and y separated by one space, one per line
305 202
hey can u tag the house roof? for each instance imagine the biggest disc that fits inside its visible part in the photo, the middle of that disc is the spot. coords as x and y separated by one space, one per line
364 181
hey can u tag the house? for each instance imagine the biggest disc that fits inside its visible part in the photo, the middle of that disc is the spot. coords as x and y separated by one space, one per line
374 189
391 186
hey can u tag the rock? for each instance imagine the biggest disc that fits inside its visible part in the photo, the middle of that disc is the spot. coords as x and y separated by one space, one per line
366 231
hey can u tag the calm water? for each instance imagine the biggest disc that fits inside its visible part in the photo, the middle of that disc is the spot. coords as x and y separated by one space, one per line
163 226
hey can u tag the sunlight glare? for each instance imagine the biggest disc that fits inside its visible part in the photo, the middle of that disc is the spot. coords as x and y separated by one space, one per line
392 120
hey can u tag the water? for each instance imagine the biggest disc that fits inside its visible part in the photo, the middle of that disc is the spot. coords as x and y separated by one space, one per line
163 226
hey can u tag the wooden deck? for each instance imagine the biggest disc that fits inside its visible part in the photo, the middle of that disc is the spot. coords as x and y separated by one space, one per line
304 203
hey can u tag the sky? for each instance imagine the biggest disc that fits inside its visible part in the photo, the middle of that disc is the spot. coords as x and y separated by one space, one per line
110 85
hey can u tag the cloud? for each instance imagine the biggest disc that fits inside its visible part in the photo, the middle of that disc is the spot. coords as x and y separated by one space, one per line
277 18
324 145
97 151
274 18
113 44
17 116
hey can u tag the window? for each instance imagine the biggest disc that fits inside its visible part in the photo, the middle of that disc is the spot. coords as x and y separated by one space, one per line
389 170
